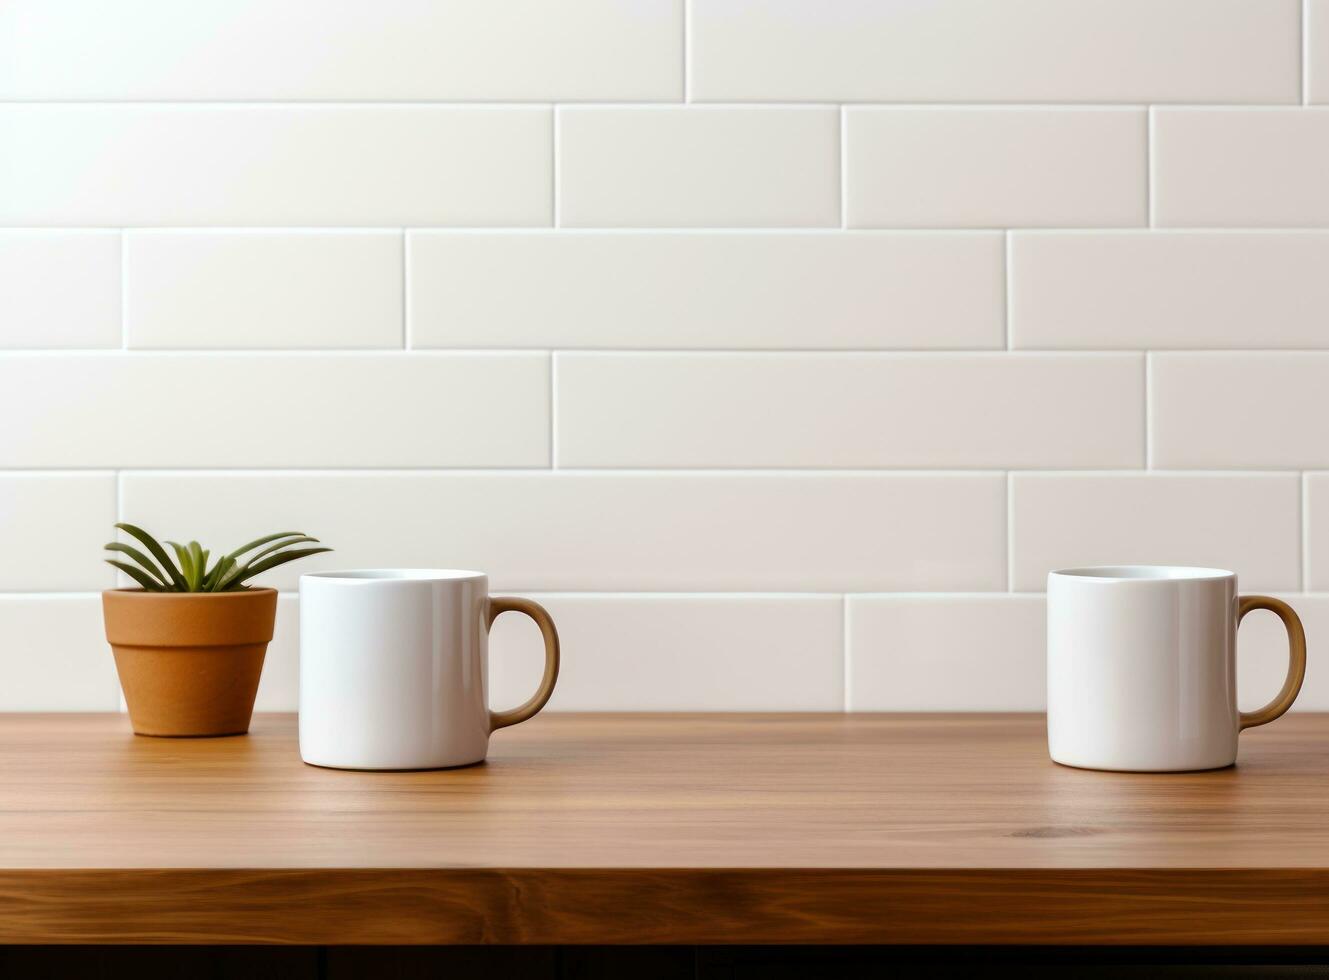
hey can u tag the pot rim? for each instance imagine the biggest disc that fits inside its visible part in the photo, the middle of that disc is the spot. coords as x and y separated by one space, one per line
140 591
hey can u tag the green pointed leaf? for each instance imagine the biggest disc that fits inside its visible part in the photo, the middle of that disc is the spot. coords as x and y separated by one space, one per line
237 574
142 578
142 559
232 578
224 564
264 540
197 560
210 577
256 558
186 565
157 551
257 568
302 539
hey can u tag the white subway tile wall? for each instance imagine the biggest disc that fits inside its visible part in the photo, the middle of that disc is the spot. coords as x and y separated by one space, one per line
671 653
47 520
52 657
1249 523
230 164
1315 504
780 348
995 167
126 409
845 410
1138 290
698 166
653 531
945 652
345 50
1005 51
1237 409
1317 50
59 289
1241 168
269 289
806 290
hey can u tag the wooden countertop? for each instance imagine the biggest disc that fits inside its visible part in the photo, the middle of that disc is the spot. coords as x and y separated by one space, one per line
660 829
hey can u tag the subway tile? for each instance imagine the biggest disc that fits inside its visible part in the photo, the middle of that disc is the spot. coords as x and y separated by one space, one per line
54 656
946 653
272 410
677 653
1317 531
685 167
1239 410
1014 51
857 290
264 289
995 410
1317 50
1241 167
341 50
1245 522
747 532
59 289
1169 289
995 167
52 527
274 165
279 687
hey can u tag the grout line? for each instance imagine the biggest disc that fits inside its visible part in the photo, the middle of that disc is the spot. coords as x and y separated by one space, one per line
405 290
119 498
553 411
555 216
937 353
1305 53
717 231
846 696
542 469
1010 531
844 168
1006 260
687 51
147 353
1148 410
316 105
124 289
1305 541
1149 165
696 352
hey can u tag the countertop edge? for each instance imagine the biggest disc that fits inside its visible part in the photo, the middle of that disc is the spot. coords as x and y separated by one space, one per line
704 906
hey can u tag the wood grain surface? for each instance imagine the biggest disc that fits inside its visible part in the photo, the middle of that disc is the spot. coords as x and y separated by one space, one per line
661 829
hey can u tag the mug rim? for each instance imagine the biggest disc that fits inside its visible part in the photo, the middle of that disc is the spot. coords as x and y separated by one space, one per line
1143 573
397 575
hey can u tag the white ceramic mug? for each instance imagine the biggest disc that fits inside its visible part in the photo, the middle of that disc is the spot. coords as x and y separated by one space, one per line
394 667
1142 667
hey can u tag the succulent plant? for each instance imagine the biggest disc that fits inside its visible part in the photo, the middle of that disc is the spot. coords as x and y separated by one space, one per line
228 574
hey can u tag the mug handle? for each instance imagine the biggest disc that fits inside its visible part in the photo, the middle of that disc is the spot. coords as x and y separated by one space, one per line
1296 667
501 604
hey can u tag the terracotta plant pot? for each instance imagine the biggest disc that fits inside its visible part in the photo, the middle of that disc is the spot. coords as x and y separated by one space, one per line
189 662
